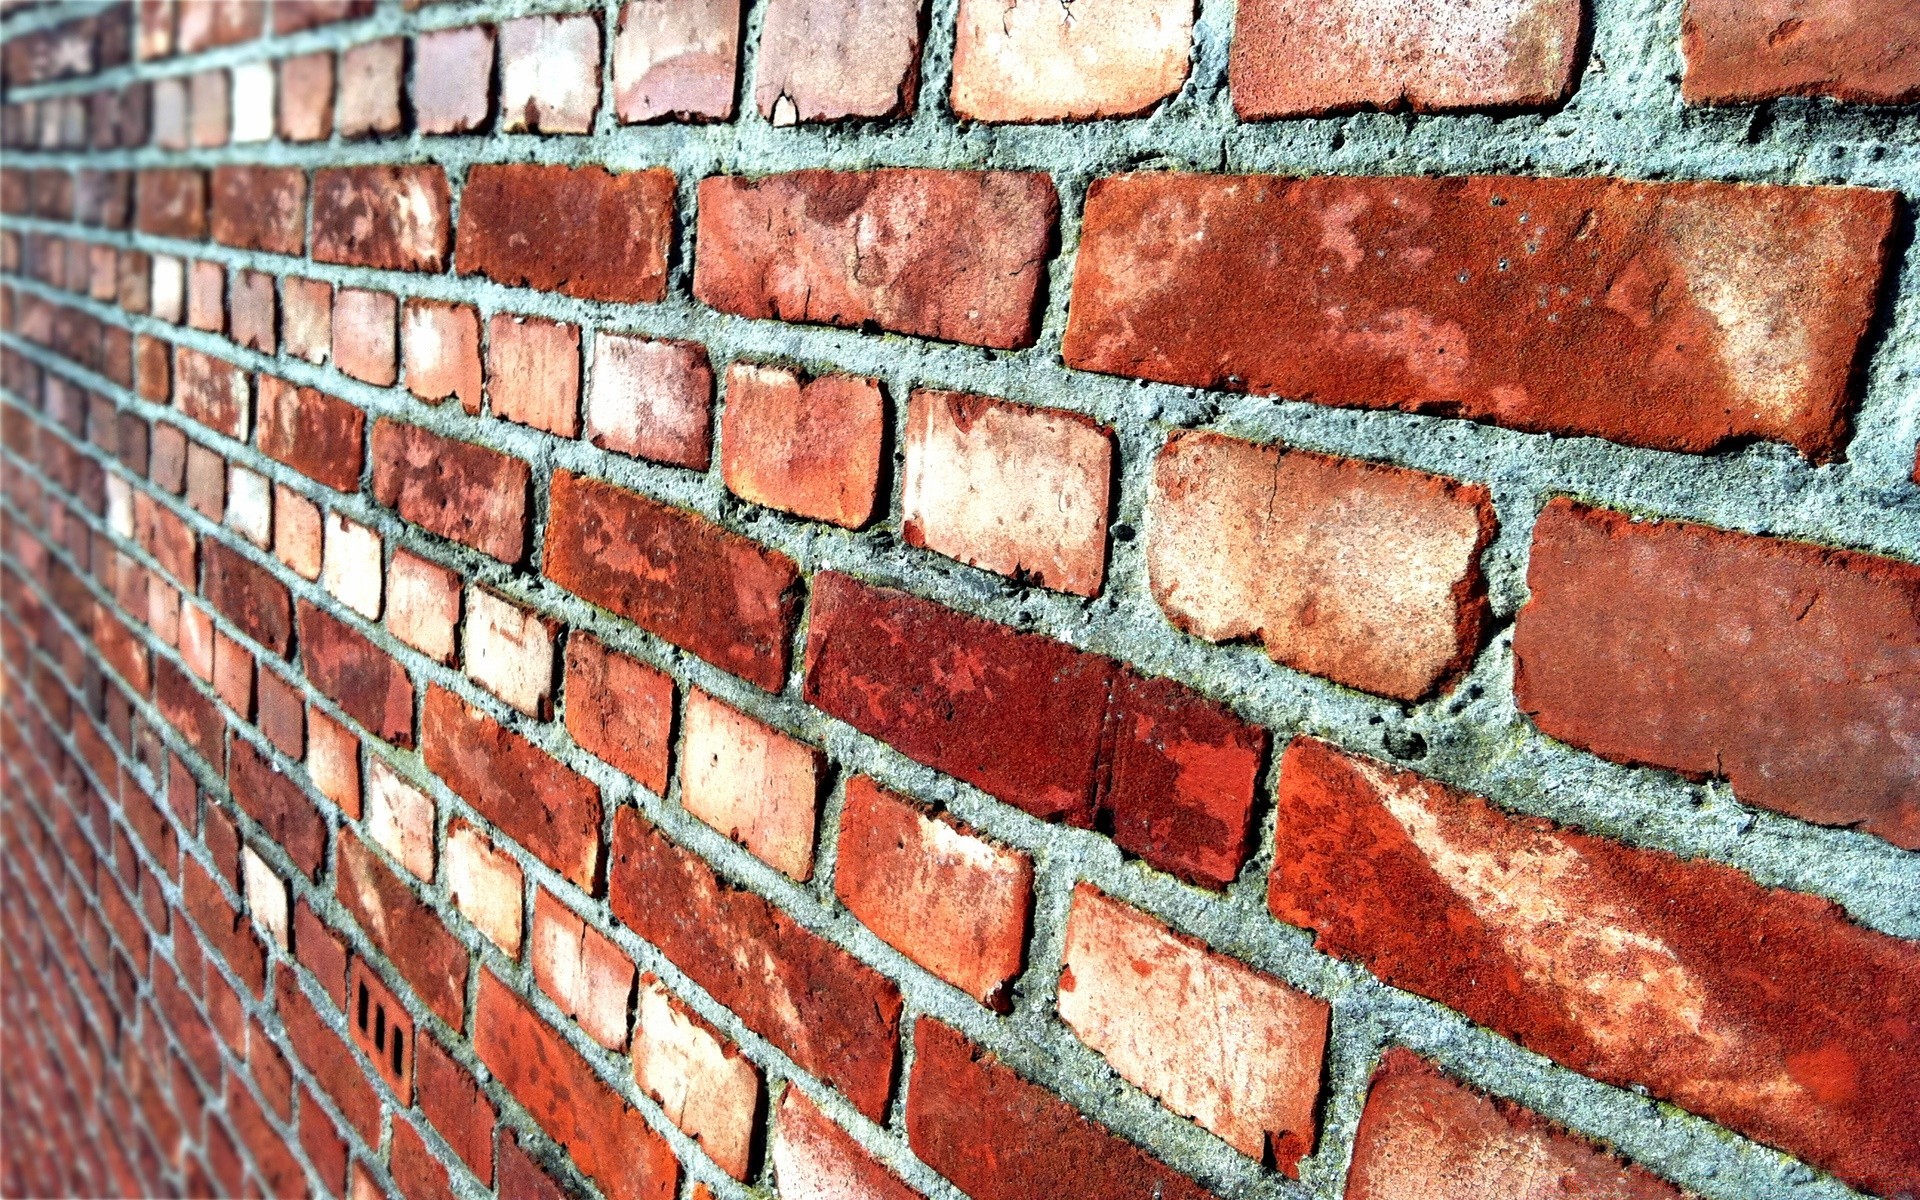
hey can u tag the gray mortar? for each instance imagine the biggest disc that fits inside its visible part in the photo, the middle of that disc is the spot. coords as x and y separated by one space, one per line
1625 119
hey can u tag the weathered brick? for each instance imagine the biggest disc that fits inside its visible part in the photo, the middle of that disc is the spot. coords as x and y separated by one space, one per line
294 16
576 230
700 1080
1424 1134
441 346
283 714
250 311
1679 316
423 604
519 1173
171 202
823 60
207 297
620 709
954 255
248 595
253 103
327 1056
1019 490
1789 669
1060 733
1741 51
751 782
533 372
333 761
452 75
676 60
364 337
250 506
306 97
608 1138
510 651
261 208
405 929
932 889
316 434
474 495
399 818
1616 961
834 1016
209 108
360 677
393 218
714 593
999 1137
279 805
532 798
369 103
814 1159
651 399
580 967
414 1167
296 532
211 391
485 885
1366 574
306 318
350 565
1031 61
812 449
550 73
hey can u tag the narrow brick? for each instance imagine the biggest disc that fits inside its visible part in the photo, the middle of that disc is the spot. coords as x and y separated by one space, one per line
822 60
751 782
350 565
211 391
248 595
580 967
404 928
306 97
620 709
171 202
392 218
441 347
471 494
676 60
652 399
364 337
533 373
700 1080
370 84
1742 51
485 884
333 761
297 534
399 818
452 75
261 208
360 677
510 651
550 73
306 318
423 604
251 312
810 448
1035 61
576 230
283 810
316 434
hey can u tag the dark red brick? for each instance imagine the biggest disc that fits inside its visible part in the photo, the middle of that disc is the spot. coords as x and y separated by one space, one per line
321 951
267 795
405 928
451 1099
471 494
261 208
327 1056
362 678
171 202
577 230
314 433
211 391
420 1175
247 594
519 1174
393 218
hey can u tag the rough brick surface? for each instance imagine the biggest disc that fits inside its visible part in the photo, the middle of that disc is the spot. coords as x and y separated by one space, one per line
1692 315
394 218
810 448
620 709
674 60
362 679
700 1081
1034 61
452 71
823 61
577 230
409 932
1617 962
583 970
814 1159
533 373
471 494
314 433
954 255
260 208
440 344
751 782
1788 669
1740 51
652 399
550 73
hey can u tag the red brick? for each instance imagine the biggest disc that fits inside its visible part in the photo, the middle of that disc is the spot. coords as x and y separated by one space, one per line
394 218
452 71
403 927
822 60
450 1098
211 391
365 337
1789 669
171 202
550 73
207 297
206 482
1366 574
320 951
399 818
608 1138
676 61
1037 62
1062 734
751 782
277 803
1617 962
509 651
812 448
520 1174
954 255
283 715
248 595
814 1159
485 884
441 345
532 798
314 433
219 23
1424 1134
935 891
423 604
1019 490
293 16
576 230
261 208
999 1137
306 318
714 593
833 1015
370 84
620 709
327 1056
699 1079
533 373
1679 316
210 107
305 97
250 311
188 711
652 399
360 677
418 1173
333 761
474 495
1858 51
586 974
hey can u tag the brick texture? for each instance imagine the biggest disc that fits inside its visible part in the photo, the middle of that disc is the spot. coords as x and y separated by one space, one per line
1737 53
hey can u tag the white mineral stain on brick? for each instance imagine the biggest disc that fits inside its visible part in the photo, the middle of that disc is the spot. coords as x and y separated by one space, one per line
703 1083
250 506
485 885
169 288
586 974
399 817
549 74
253 107
751 782
423 605
350 569
266 896
509 651
1042 60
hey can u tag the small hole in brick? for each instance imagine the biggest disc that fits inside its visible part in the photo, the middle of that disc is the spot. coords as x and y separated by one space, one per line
362 1018
379 1028
398 1051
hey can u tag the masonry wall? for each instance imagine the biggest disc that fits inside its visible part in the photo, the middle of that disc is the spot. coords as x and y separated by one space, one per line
999 599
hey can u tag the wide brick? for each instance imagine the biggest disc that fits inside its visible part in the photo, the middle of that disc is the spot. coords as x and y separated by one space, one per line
1791 670
580 967
1679 316
452 74
171 202
316 434
609 1139
815 1159
577 230
1058 732
533 799
510 651
955 255
1424 1134
1019 490
932 889
1366 574
812 449
370 85
1858 51
652 399
485 884
1323 56
211 391
1618 962
399 818
441 346
472 494
999 1137
362 678
676 60
283 810
834 1016
700 1080
824 60
533 373
714 593
423 604
393 218
1035 61
247 594
404 927
1149 1001
751 782
550 73
620 709
261 208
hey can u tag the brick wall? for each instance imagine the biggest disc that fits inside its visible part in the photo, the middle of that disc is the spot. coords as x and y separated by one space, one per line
863 598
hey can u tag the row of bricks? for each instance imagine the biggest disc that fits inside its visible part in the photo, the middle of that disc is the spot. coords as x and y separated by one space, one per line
472 753
1451 296
830 60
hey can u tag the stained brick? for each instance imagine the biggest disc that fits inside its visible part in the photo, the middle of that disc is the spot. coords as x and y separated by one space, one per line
171 202
822 61
273 799
393 218
452 74
211 391
533 373
652 399
362 678
350 565
576 230
399 818
485 885
810 448
441 346
423 604
1740 51
472 494
581 968
306 97
316 434
364 338
1031 61
333 761
676 60
306 319
261 208
701 1081
510 652
404 928
451 1099
369 103
327 1056
550 73
814 1159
